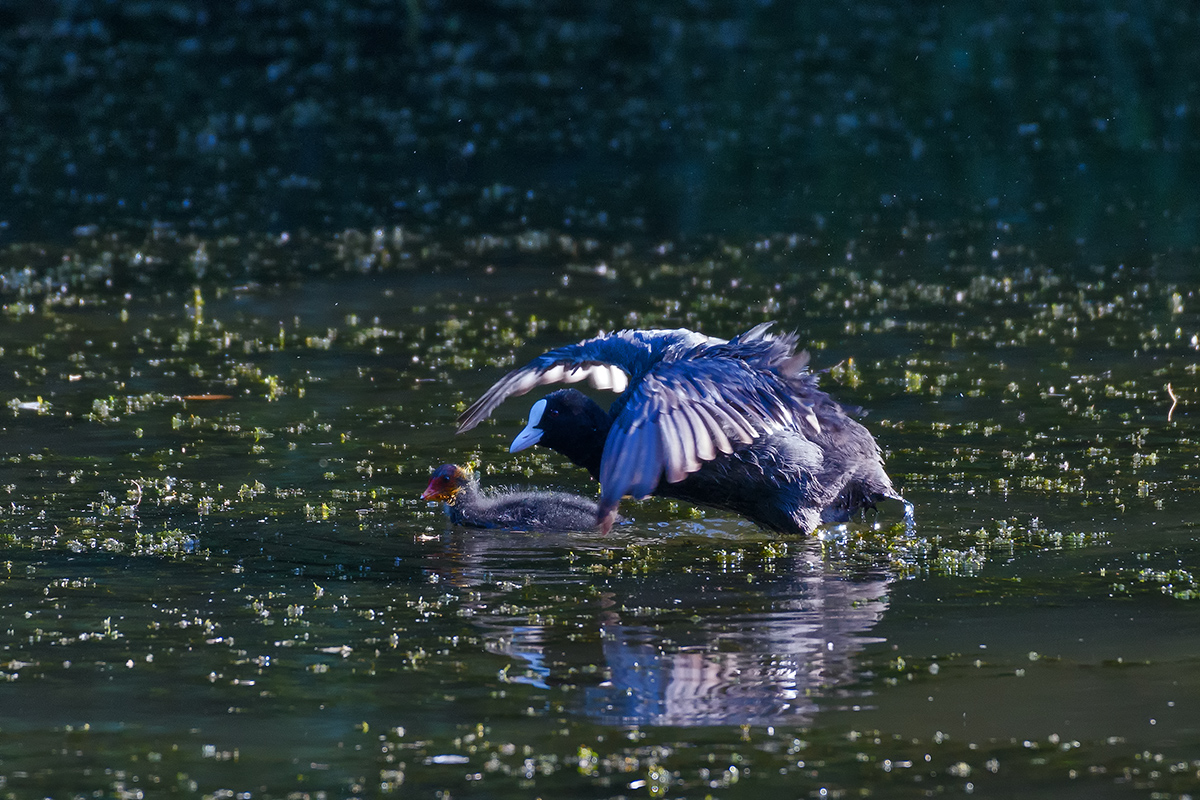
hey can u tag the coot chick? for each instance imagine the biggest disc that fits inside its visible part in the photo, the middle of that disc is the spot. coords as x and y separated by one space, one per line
467 505
737 425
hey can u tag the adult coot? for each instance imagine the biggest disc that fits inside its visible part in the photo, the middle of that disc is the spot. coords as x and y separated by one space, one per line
737 425
467 505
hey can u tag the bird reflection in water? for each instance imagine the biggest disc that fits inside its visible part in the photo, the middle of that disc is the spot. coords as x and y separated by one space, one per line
671 647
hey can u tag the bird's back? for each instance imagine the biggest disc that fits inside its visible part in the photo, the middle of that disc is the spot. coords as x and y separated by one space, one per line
528 510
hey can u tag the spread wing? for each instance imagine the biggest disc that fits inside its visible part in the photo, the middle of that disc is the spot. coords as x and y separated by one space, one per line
684 413
610 361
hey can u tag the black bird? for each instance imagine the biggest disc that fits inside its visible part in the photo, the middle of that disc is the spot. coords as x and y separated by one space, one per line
737 425
467 505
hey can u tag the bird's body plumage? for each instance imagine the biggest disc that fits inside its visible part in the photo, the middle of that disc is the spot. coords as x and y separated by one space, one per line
738 424
508 509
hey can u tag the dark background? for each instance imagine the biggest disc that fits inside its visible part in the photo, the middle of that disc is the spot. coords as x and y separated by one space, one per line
673 119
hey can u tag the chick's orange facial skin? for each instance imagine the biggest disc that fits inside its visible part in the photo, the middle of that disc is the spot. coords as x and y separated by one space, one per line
447 479
438 489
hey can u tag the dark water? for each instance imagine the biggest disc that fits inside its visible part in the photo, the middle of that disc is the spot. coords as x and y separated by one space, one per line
257 258
242 592
1073 119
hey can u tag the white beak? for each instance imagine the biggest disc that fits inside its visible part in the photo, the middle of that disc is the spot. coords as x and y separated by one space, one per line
531 434
526 438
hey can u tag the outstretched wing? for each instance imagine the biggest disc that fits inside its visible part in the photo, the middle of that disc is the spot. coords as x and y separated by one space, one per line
610 361
684 413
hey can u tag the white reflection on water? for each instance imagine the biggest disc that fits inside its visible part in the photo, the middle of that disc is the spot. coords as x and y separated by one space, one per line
670 647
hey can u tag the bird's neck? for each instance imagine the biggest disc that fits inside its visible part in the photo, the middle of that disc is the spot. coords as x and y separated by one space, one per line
590 454
460 506
587 447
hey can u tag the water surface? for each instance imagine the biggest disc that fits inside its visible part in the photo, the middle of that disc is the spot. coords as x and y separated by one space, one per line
255 258
217 575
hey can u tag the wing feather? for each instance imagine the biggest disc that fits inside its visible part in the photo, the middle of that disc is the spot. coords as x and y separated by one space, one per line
609 361
633 467
732 423
705 449
716 435
674 455
685 398
695 408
